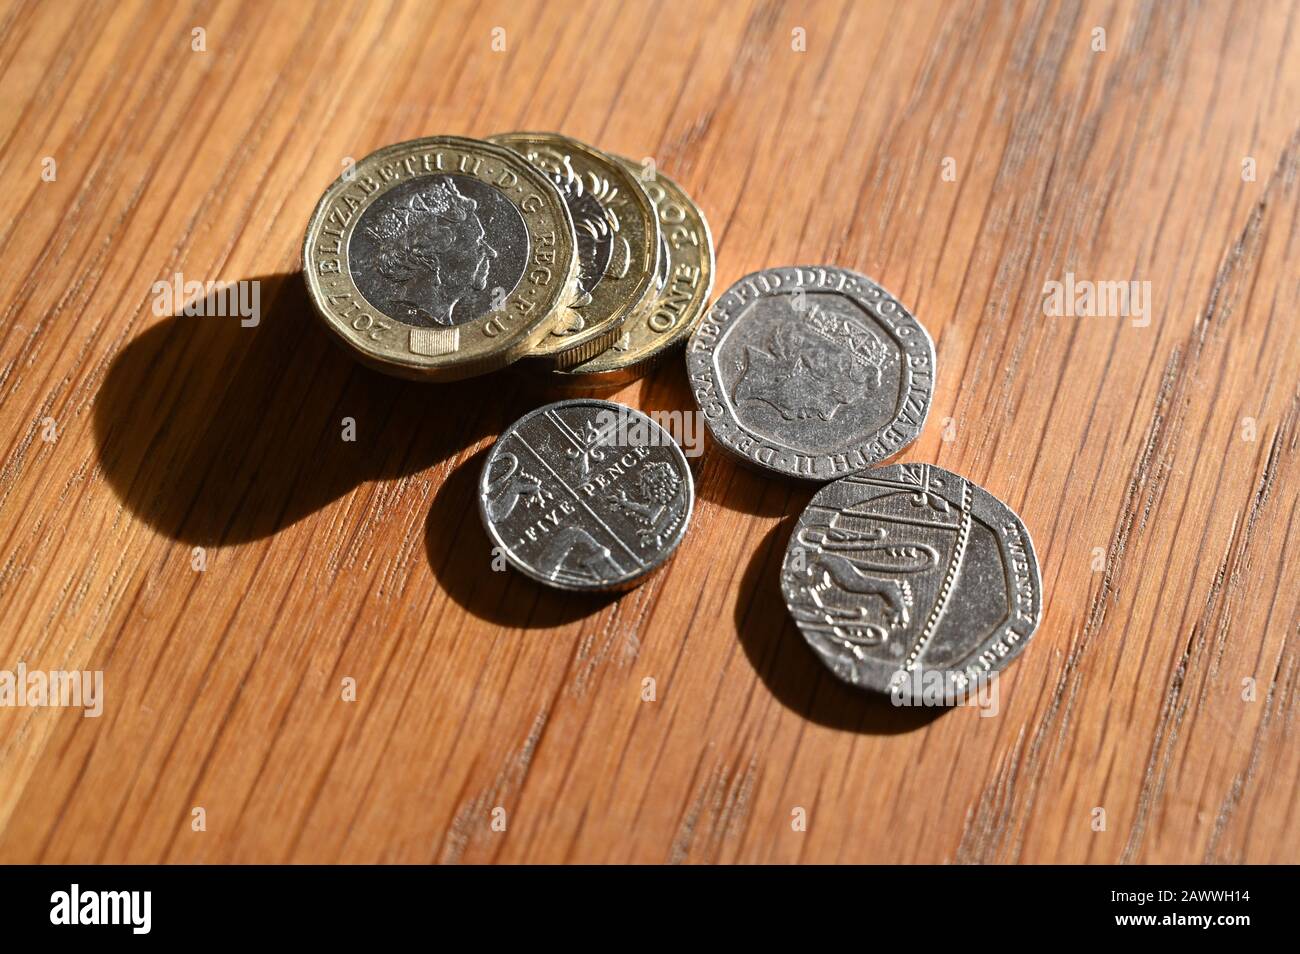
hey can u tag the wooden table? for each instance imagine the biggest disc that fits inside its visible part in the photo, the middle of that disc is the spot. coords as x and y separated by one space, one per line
179 509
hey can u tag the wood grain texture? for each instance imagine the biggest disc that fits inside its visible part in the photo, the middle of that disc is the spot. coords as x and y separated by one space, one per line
1166 528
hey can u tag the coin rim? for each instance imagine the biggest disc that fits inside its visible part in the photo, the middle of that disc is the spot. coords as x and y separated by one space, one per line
983 501
579 376
621 584
706 353
505 348
600 335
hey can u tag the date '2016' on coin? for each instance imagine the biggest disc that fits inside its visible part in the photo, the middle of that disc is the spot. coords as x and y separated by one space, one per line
811 372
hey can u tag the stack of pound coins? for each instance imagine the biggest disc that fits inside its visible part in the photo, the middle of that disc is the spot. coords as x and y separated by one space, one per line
446 257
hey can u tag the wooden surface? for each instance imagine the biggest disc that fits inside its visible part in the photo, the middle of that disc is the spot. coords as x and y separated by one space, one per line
1156 466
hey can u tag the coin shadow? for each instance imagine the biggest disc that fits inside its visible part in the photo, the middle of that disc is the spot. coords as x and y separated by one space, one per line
212 432
788 666
460 554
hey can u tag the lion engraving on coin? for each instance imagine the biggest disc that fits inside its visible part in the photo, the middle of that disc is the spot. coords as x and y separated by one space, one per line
827 574
811 369
841 561
659 504
433 251
516 485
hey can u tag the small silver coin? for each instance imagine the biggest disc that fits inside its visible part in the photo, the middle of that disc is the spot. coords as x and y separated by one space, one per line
811 371
911 571
586 495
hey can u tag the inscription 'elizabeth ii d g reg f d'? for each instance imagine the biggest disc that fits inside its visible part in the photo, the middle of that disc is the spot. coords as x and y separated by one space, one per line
441 258
811 371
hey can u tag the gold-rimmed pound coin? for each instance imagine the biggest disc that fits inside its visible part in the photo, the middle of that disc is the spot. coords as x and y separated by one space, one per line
617 235
440 258
677 301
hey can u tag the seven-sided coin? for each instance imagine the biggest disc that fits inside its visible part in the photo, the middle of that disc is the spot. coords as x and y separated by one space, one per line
586 495
907 575
618 242
676 302
441 258
811 371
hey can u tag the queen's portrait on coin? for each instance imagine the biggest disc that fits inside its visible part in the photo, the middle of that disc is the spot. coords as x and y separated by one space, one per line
802 373
433 252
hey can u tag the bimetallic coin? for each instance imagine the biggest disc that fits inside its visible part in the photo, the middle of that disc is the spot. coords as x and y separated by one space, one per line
677 299
586 495
811 371
440 258
911 570
617 237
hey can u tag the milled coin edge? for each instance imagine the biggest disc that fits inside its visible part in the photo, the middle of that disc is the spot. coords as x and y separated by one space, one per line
583 346
575 378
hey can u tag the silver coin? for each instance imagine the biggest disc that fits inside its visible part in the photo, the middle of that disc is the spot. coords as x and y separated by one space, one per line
811 372
910 569
586 495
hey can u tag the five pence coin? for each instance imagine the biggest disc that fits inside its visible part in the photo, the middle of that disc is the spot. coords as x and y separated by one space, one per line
586 495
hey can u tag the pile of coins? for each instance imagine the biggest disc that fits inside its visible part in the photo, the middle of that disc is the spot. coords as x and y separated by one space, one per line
906 579
446 257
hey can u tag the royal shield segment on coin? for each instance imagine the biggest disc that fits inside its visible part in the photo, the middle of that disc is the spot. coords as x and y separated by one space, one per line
617 236
677 298
586 495
911 568
440 258
811 371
